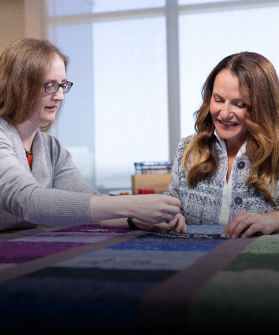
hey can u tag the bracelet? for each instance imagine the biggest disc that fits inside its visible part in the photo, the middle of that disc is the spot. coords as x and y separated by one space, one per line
132 224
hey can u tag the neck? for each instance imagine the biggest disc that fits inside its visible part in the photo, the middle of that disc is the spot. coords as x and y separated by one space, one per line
233 148
27 132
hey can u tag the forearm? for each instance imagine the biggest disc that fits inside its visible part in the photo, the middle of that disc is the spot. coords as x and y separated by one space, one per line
110 209
153 208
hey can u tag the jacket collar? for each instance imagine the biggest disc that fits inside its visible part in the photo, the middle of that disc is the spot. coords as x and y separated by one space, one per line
222 145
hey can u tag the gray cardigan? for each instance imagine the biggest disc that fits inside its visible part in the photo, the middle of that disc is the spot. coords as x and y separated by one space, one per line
201 205
53 194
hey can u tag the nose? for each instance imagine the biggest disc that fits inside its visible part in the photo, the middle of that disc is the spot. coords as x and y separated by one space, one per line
59 95
226 111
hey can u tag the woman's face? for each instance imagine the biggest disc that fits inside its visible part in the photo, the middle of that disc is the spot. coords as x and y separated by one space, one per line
47 104
227 109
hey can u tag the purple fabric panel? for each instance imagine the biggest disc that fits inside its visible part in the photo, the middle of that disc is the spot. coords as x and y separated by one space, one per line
20 252
64 238
92 229
107 235
28 248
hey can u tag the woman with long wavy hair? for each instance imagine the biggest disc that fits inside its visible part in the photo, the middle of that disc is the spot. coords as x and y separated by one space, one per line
227 173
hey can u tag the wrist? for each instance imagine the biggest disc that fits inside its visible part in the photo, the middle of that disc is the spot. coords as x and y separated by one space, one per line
132 224
272 219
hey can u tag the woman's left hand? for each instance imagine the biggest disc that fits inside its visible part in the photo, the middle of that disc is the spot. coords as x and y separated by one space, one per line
177 224
249 223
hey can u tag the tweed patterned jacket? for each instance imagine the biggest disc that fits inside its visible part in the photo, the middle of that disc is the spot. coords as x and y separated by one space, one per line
201 205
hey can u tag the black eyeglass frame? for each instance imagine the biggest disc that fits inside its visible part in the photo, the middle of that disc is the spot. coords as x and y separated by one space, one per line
57 85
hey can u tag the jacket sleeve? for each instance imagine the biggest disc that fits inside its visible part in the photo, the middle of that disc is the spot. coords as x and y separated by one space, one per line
178 185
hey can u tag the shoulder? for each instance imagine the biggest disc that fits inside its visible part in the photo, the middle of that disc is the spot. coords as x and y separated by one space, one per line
52 146
184 142
50 141
8 133
5 126
187 140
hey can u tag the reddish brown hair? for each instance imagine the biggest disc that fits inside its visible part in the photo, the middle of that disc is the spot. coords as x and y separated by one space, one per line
23 69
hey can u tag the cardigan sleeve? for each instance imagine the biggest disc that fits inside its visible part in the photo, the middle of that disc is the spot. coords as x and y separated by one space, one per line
24 197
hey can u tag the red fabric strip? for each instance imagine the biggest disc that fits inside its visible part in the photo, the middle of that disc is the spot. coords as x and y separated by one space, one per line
29 159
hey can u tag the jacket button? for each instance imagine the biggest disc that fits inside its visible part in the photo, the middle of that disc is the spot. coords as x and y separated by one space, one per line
238 200
241 165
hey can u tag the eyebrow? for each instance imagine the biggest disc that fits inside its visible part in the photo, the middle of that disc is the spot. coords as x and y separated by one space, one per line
53 80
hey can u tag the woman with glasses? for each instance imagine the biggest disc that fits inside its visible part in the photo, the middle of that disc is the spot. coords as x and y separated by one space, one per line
39 183
228 172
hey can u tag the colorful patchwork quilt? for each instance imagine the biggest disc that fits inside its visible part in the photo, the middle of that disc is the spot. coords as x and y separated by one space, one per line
87 278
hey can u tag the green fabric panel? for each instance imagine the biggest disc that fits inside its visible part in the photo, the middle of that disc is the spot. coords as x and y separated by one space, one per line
266 244
244 296
246 300
263 253
255 261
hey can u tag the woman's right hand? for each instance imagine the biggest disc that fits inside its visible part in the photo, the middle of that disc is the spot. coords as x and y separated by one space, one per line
155 208
178 224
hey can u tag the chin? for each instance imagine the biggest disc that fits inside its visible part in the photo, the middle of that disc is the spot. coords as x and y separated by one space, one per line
50 118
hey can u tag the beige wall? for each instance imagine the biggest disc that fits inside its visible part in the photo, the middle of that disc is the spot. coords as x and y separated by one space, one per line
18 19
12 24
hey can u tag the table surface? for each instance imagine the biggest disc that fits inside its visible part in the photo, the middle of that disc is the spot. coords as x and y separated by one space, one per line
86 277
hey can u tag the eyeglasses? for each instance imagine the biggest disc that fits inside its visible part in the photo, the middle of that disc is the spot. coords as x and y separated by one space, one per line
52 87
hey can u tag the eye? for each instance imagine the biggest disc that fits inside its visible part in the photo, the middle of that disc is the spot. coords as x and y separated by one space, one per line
217 98
66 85
50 85
241 105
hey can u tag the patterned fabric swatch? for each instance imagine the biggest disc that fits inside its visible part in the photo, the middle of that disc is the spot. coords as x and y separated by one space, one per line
106 284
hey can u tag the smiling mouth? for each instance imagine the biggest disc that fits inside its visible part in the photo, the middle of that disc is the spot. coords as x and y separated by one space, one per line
227 123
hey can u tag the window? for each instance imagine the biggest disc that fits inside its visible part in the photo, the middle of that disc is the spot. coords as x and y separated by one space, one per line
138 67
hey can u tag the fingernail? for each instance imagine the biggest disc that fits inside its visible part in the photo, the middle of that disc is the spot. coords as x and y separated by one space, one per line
228 236
234 236
222 235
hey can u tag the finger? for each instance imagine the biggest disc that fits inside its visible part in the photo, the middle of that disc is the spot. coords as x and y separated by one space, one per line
173 201
224 232
181 224
254 228
158 227
234 223
184 229
242 226
169 215
172 210
160 218
172 224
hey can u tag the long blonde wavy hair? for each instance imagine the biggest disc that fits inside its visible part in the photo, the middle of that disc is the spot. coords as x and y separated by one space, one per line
259 87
